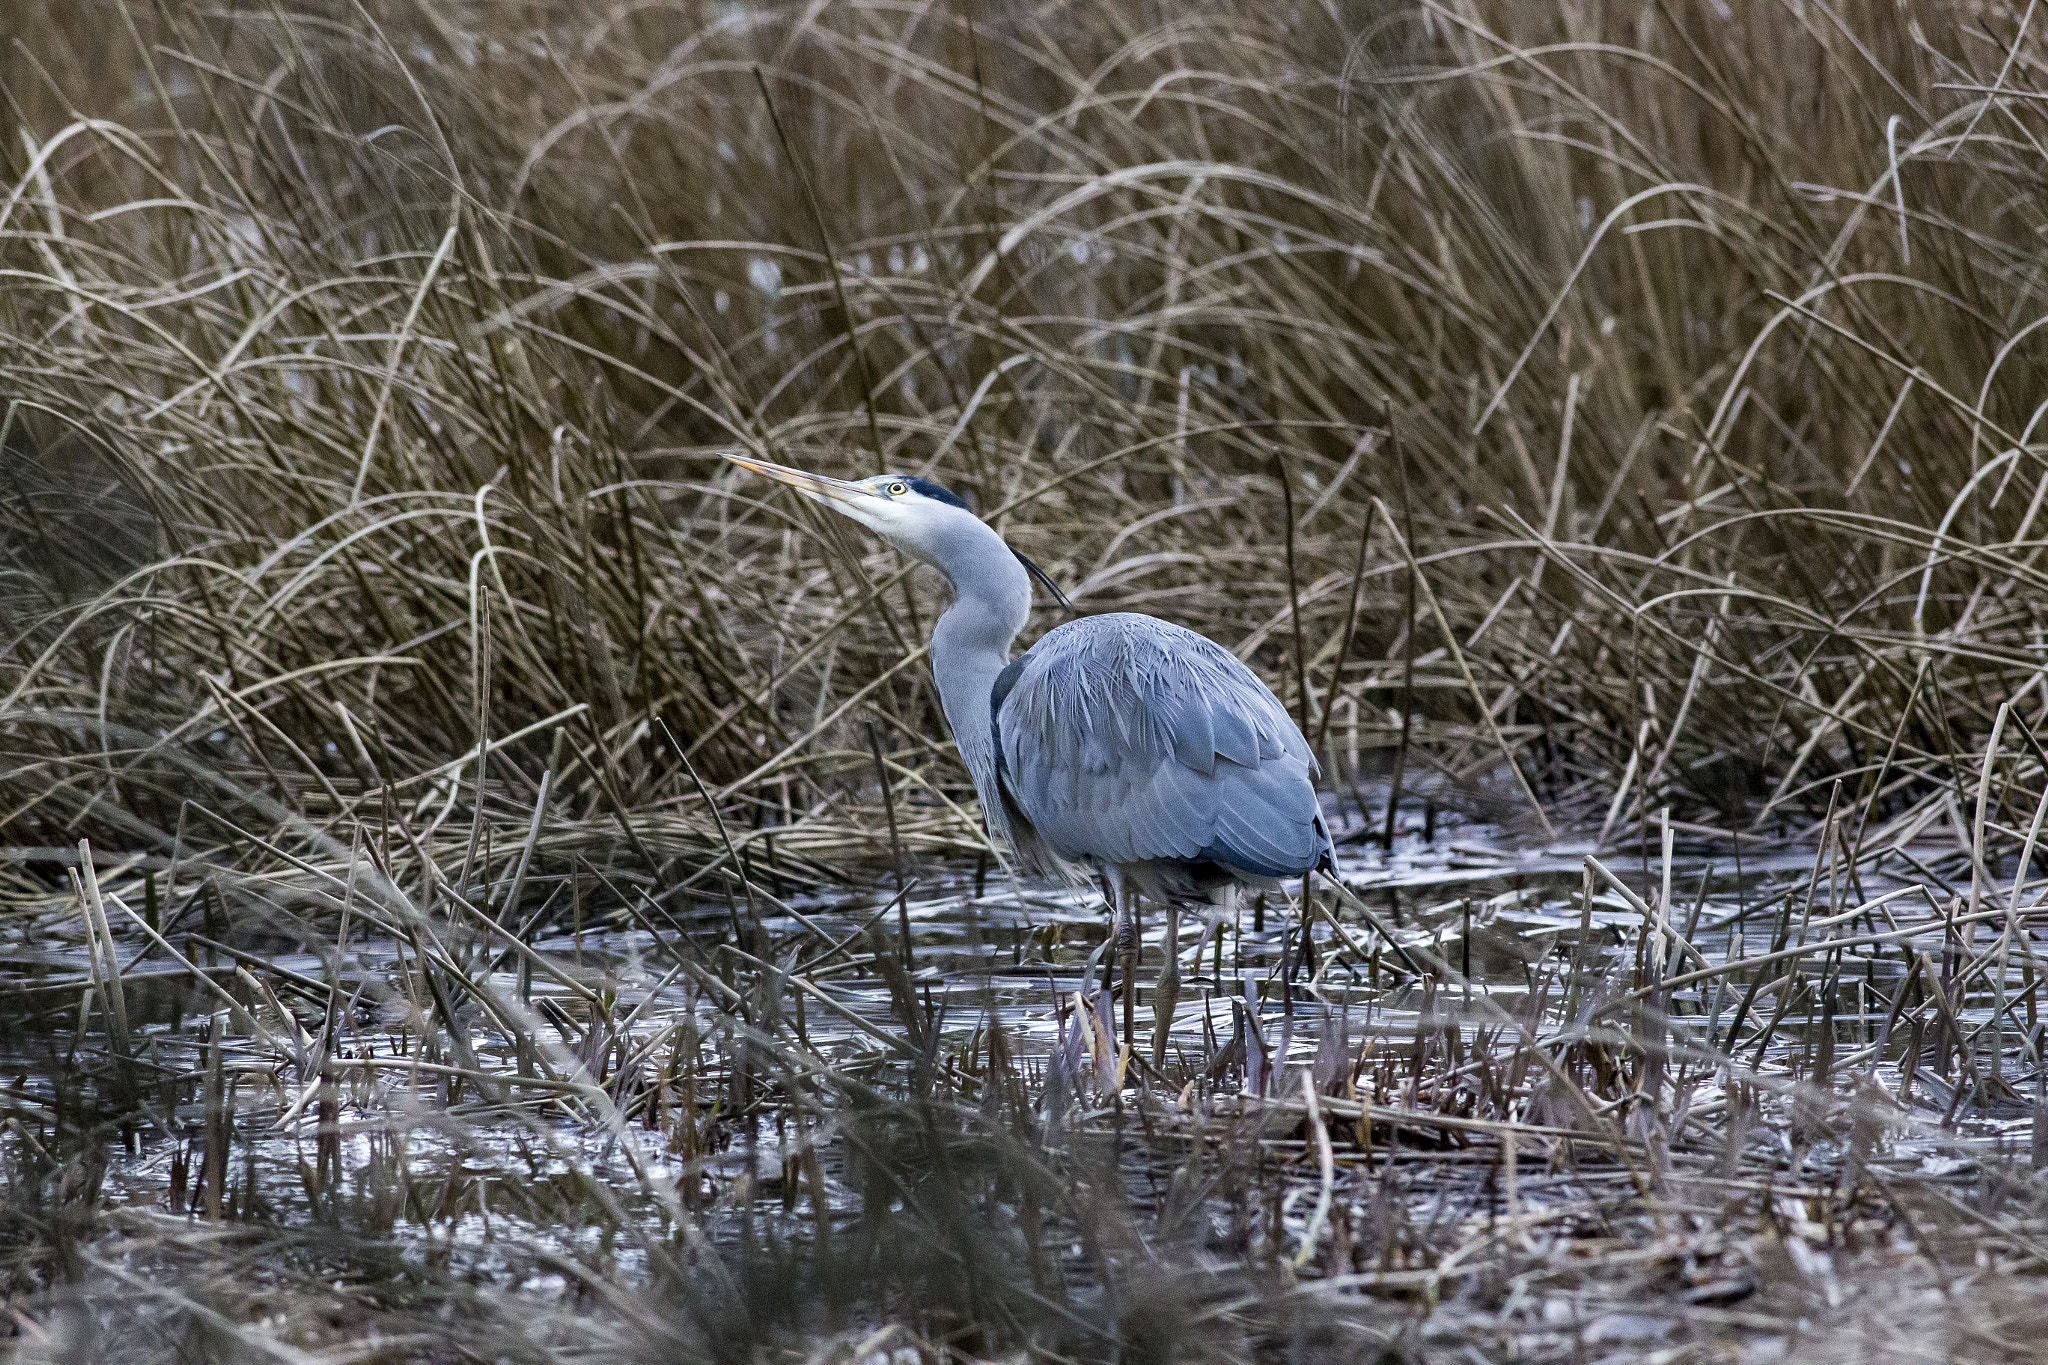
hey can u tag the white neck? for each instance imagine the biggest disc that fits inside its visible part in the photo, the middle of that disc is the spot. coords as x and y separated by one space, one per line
971 642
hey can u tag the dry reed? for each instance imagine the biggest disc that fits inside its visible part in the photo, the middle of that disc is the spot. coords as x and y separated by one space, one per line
1575 413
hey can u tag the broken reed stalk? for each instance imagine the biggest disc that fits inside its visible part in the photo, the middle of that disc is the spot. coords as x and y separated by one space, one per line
104 956
217 1121
887 784
1408 629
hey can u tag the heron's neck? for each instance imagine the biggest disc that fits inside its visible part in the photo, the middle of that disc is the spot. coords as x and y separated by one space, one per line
971 644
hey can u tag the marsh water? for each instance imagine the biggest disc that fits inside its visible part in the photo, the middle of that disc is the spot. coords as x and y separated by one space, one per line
446 1173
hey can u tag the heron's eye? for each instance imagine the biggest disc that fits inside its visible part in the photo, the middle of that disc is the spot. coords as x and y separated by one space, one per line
897 490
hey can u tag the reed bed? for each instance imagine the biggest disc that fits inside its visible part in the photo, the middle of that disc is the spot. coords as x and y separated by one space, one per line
1610 425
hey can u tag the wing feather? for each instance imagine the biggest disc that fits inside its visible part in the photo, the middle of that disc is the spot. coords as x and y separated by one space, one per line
1180 805
1236 739
1193 734
1123 738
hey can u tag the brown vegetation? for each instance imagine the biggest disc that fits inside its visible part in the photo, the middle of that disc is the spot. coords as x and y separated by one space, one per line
1573 411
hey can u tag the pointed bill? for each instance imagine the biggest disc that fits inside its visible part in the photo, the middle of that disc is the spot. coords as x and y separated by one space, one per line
814 486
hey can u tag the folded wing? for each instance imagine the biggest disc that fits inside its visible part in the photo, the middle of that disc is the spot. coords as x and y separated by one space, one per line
1123 738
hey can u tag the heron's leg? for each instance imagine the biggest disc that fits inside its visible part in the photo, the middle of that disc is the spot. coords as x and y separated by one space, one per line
1167 994
1222 910
1131 945
1113 883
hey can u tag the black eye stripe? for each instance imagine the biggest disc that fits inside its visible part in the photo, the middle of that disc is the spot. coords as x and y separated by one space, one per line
931 490
901 486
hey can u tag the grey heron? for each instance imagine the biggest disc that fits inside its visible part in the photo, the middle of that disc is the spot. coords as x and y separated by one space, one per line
1119 742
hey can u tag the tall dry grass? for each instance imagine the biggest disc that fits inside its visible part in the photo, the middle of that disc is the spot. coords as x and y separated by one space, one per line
1584 409
366 371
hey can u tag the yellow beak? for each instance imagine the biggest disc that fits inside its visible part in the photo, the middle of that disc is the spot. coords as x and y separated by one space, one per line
815 486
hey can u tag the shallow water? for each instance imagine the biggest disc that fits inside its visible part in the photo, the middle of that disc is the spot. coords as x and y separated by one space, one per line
446 1175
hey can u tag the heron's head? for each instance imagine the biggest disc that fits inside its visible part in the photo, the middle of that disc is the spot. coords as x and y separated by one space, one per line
917 516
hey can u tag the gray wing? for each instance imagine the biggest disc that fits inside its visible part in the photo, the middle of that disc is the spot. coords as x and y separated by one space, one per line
1123 738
